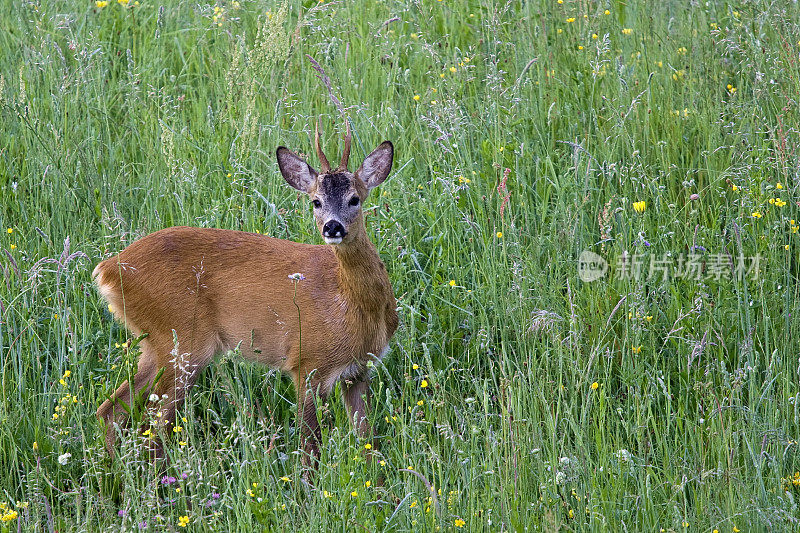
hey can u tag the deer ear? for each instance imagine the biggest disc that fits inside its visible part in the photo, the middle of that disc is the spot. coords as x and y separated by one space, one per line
375 168
295 171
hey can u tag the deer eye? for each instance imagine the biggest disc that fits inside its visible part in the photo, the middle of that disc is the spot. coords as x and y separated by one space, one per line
316 203
354 201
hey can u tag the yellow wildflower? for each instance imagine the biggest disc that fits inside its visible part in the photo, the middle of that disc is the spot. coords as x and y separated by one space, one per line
424 384
640 206
183 521
595 385
460 523
101 3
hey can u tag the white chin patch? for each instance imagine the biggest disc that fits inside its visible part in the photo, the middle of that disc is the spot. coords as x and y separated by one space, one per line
332 240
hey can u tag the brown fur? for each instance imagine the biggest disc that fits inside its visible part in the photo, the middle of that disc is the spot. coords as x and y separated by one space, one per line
219 289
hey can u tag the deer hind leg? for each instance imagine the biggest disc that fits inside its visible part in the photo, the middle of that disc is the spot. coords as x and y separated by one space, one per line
180 375
113 411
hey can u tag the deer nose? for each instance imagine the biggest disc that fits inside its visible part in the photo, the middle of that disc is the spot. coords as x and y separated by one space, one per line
333 229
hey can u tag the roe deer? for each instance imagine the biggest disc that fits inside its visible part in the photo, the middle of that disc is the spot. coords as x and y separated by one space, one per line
215 290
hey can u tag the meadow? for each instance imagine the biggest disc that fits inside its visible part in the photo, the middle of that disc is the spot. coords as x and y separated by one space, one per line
519 394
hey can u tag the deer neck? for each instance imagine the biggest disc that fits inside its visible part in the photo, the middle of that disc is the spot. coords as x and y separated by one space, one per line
362 275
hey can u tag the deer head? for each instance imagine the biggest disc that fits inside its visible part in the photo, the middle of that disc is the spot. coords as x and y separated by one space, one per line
337 194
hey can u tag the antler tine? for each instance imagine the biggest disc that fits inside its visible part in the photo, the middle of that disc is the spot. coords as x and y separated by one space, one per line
346 153
323 161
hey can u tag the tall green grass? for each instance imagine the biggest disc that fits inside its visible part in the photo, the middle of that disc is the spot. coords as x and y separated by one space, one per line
524 133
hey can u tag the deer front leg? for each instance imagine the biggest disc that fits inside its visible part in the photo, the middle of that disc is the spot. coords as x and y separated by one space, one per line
356 398
310 432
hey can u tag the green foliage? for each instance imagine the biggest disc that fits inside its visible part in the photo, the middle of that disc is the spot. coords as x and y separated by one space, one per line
524 134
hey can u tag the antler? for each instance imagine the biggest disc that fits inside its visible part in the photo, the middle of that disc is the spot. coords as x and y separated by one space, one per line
323 161
346 153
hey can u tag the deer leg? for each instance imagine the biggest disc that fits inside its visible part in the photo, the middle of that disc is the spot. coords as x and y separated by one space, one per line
308 391
112 412
172 390
310 432
356 399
